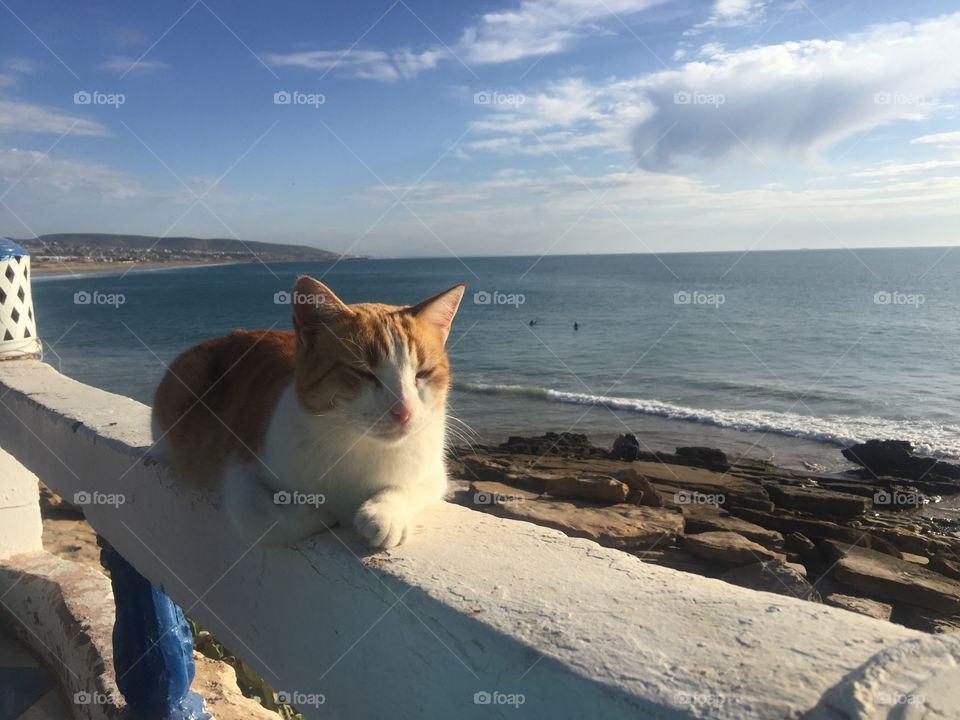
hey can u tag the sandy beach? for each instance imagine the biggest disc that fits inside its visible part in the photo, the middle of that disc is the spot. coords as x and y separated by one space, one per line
87 267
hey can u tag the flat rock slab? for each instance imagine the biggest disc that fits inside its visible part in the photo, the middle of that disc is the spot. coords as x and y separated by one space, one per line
773 576
887 577
589 487
492 493
627 527
863 606
817 500
726 547
700 480
704 518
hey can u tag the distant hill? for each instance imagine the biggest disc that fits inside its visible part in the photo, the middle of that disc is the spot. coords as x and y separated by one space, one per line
140 246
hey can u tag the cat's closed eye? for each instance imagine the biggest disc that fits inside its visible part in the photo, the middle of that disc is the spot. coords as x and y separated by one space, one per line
424 374
365 374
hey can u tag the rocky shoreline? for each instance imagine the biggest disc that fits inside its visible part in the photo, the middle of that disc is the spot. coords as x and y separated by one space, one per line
856 540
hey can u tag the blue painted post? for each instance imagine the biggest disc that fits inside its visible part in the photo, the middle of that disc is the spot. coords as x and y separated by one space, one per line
152 646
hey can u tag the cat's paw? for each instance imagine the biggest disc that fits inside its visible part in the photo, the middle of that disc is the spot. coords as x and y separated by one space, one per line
382 524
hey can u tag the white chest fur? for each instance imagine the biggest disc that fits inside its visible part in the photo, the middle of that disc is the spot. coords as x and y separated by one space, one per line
323 455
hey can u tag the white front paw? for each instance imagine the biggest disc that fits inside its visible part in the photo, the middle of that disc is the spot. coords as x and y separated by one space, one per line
382 524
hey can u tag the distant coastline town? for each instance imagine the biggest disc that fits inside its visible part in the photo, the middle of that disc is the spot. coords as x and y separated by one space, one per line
93 252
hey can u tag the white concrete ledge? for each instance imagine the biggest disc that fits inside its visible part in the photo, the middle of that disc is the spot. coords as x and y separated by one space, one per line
64 611
473 604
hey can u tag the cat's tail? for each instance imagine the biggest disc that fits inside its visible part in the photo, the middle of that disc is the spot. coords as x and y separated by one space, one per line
265 516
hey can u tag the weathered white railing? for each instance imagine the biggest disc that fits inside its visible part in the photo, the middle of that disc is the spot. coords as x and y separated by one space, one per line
476 617
473 604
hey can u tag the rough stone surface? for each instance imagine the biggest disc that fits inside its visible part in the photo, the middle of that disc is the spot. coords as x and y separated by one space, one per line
897 580
627 527
773 576
895 458
589 487
704 518
946 566
494 492
726 547
642 490
818 500
863 606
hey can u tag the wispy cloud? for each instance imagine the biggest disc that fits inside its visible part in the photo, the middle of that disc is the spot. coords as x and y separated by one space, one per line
570 114
532 29
947 139
22 117
13 69
732 13
46 175
364 64
123 65
540 27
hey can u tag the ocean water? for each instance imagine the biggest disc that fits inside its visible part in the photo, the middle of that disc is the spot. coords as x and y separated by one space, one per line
783 355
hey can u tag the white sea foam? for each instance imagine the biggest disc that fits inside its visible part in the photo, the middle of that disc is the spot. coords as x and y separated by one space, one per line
928 438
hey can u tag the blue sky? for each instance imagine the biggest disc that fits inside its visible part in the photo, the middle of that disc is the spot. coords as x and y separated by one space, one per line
437 128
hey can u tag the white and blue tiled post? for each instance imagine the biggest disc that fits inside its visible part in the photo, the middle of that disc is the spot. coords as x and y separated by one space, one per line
152 645
18 328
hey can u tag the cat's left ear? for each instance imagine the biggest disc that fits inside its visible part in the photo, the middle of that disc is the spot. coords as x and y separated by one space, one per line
314 305
440 309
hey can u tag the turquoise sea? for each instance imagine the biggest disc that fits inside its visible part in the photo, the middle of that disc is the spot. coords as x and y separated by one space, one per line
786 355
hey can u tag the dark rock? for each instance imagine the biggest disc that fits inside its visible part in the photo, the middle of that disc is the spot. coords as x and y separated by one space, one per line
726 547
816 529
642 491
704 457
925 620
883 576
704 518
773 576
945 566
817 500
575 445
864 606
626 447
895 458
800 544
700 484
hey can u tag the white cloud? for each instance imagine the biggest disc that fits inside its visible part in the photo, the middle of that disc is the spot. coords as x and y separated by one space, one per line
896 169
24 117
947 139
12 69
797 98
540 27
364 64
533 29
571 114
123 65
732 13
763 104
45 175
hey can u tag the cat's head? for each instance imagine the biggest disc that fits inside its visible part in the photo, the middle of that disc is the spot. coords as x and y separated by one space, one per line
381 370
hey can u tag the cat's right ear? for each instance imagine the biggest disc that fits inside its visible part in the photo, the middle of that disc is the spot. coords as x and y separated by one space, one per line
314 306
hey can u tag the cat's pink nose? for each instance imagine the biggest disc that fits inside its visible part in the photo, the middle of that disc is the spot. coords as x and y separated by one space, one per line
401 413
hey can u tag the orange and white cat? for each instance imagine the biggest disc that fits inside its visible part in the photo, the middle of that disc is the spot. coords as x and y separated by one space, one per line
342 421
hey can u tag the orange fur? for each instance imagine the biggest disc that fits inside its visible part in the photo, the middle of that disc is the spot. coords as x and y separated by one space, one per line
216 401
